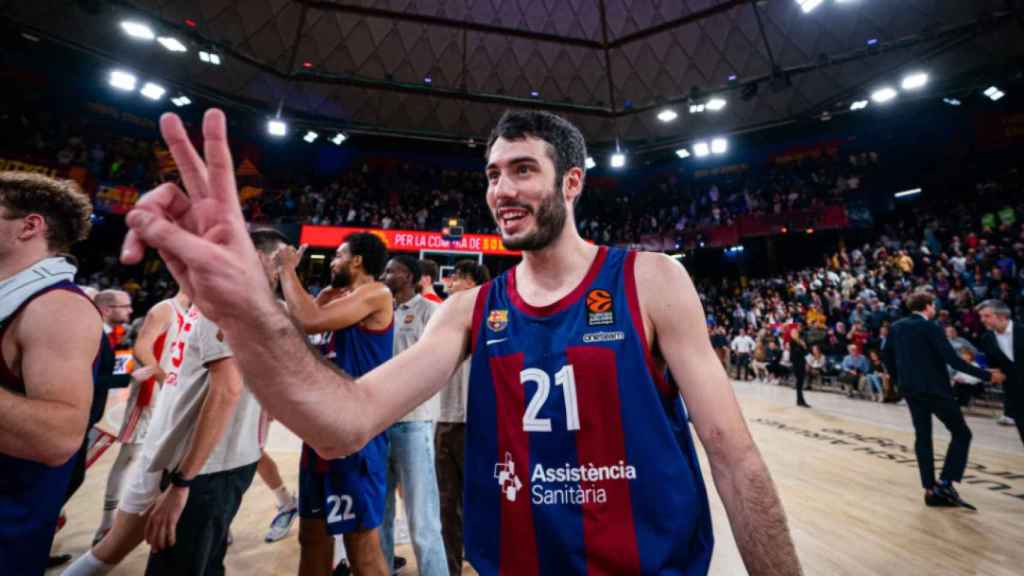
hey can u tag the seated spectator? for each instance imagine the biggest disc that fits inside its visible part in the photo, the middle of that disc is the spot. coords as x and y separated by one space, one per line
816 366
878 379
958 342
853 370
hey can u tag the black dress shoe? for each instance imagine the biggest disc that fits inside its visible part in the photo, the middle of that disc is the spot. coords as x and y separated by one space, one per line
55 561
948 492
938 500
803 404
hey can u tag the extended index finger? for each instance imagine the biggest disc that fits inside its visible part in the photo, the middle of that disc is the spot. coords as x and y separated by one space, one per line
190 165
219 164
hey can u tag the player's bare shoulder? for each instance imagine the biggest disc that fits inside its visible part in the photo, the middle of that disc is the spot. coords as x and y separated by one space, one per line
663 285
458 308
60 316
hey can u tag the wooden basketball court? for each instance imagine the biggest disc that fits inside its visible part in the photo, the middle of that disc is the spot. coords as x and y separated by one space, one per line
845 470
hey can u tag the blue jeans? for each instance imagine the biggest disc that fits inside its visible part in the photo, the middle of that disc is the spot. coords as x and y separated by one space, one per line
411 462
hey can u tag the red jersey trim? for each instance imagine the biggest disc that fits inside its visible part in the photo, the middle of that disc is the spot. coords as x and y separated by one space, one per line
567 300
629 270
377 330
478 314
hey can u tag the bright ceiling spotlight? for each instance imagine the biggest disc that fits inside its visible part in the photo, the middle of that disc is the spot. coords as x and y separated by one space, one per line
122 80
137 30
277 128
209 57
701 149
696 108
667 115
590 163
339 138
859 105
715 104
683 153
719 145
153 91
311 136
172 44
884 94
994 94
618 160
914 81
808 5
181 101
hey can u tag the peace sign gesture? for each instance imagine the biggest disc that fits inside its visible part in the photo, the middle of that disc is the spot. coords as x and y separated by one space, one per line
201 235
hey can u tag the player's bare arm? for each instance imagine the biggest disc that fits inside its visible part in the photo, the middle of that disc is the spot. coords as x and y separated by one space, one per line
156 322
55 341
675 324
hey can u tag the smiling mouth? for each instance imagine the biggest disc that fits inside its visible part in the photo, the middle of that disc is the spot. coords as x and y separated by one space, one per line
507 216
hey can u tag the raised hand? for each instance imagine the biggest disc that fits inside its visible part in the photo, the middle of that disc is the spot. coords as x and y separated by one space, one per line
201 235
288 257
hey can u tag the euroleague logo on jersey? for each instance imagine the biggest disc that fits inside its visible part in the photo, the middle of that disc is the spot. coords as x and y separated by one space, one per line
600 308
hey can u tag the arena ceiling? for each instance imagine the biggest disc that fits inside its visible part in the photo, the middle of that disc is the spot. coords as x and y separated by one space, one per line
610 65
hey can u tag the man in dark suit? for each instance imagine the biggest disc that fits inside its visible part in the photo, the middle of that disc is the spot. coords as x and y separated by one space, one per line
916 354
1003 345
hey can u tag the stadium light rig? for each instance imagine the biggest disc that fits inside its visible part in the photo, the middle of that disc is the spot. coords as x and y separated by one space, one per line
683 153
209 57
667 115
181 101
338 139
310 136
715 104
908 193
122 80
859 105
277 128
951 101
719 146
153 91
172 44
914 81
138 30
994 93
590 164
884 94
808 5
618 160
701 149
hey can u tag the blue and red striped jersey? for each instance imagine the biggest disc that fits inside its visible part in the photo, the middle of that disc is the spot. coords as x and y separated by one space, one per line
579 458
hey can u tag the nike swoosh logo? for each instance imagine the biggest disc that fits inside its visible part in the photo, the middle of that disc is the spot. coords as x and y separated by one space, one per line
489 342
315 510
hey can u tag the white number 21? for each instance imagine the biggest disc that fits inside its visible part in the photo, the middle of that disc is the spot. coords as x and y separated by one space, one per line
565 378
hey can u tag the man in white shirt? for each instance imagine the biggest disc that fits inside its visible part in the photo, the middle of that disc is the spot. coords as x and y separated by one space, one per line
742 346
1004 348
411 439
450 433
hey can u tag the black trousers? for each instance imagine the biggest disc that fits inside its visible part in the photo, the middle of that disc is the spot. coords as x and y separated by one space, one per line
202 531
800 373
948 412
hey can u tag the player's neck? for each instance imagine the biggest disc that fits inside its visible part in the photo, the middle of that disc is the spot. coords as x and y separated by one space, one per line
20 260
565 261
362 280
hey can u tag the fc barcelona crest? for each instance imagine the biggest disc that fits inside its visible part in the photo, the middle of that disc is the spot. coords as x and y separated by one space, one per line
498 320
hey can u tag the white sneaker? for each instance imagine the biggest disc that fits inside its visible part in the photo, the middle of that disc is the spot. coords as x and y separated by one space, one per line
282 522
1005 420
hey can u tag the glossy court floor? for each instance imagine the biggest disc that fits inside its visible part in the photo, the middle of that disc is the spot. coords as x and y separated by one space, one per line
845 470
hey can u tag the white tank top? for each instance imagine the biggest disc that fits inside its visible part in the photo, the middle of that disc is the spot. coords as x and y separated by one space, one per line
175 331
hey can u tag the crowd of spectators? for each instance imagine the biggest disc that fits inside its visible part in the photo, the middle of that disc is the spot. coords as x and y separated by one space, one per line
965 251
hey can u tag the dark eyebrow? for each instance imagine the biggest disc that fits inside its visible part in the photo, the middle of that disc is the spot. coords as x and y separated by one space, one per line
514 161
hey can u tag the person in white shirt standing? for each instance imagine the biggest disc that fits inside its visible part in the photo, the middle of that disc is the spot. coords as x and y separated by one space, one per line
742 346
1004 347
411 451
208 450
450 432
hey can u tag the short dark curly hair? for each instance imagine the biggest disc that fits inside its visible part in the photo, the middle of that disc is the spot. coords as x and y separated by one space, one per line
566 146
470 269
61 203
371 248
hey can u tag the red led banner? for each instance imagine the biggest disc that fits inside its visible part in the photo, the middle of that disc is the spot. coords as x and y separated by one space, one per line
407 240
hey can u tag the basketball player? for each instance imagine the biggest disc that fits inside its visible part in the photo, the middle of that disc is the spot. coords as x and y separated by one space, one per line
578 455
344 495
450 432
50 336
159 332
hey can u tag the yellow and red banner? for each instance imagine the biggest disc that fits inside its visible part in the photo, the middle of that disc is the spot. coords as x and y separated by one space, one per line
407 240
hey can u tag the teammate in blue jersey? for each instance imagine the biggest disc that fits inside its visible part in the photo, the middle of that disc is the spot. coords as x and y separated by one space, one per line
50 338
344 495
582 464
